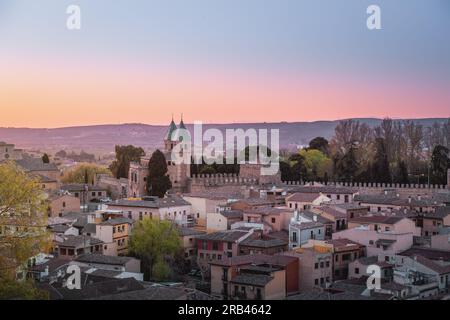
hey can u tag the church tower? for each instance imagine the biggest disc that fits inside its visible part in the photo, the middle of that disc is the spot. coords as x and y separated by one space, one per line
179 174
169 139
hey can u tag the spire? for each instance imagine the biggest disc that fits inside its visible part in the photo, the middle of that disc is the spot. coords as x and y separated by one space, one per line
182 126
171 130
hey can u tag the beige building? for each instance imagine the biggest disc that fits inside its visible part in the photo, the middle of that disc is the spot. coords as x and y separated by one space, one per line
222 219
188 240
203 204
9 152
59 204
304 201
115 236
315 267
171 208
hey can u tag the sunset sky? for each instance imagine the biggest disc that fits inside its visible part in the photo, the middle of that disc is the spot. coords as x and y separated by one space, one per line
221 61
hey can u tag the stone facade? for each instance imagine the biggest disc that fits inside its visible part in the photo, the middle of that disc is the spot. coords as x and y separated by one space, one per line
179 174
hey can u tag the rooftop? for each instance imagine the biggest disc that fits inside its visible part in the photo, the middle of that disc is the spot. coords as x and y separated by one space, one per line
184 232
78 241
431 254
173 201
324 189
377 219
258 280
103 259
36 164
303 197
79 187
256 259
261 243
227 236
116 221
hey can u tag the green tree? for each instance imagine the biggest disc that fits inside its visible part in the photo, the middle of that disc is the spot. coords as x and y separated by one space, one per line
207 169
286 171
380 167
315 162
347 166
23 230
439 164
124 155
84 173
45 158
321 144
156 243
158 182
298 168
401 173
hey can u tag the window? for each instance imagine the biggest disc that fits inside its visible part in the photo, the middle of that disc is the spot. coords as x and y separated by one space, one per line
316 266
273 220
93 194
346 257
327 264
321 265
140 215
371 242
114 229
290 205
294 236
337 257
64 204
346 198
338 197
356 270
215 246
387 229
316 282
230 245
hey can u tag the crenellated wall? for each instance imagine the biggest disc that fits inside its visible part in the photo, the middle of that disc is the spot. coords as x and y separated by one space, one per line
380 187
220 182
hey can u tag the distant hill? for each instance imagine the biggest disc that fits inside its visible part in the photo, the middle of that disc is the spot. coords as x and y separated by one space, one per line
103 138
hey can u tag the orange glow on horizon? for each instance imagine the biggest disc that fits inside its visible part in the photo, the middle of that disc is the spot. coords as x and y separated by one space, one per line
58 95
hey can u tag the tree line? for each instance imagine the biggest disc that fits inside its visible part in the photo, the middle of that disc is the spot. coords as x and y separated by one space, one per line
393 152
